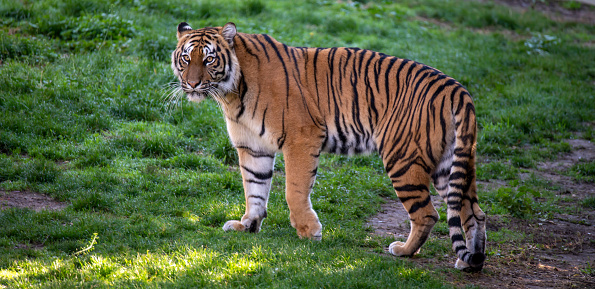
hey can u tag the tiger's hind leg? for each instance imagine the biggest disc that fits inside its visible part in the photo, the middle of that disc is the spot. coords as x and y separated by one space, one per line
411 187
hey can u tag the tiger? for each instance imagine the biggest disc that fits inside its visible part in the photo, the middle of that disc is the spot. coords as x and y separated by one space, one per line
302 102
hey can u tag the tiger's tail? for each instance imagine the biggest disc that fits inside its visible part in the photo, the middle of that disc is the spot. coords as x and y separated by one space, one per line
462 208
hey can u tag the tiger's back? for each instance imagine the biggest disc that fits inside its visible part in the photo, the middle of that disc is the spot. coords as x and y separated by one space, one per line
304 101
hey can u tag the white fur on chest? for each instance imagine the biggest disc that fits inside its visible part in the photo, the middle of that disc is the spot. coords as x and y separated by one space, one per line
245 133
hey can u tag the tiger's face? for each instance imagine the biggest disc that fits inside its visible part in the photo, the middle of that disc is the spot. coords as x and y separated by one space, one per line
205 62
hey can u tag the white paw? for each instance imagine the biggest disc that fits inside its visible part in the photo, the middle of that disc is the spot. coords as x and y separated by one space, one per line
233 226
461 265
395 248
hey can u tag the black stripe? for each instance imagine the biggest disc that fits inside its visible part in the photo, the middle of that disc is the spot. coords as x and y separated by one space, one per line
457 237
410 188
253 44
256 154
264 49
454 222
270 41
260 175
256 182
457 186
418 205
263 118
371 102
457 175
454 205
316 75
243 90
454 195
405 199
281 139
386 79
432 217
257 197
459 248
460 164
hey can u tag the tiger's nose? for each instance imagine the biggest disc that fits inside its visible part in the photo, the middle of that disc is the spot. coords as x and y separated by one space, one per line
193 84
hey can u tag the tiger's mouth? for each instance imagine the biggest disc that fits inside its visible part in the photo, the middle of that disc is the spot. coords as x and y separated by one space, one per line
195 96
201 88
198 94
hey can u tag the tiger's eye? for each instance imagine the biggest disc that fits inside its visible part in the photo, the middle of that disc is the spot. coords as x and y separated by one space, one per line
186 58
209 59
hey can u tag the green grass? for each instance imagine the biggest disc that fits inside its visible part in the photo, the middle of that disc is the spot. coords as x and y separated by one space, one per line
583 171
82 119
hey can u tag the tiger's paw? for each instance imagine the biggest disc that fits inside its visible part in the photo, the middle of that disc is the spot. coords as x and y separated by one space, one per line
306 233
461 265
234 225
478 258
312 231
308 226
398 248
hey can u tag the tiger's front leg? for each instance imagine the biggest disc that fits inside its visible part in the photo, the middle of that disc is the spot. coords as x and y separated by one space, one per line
256 166
301 164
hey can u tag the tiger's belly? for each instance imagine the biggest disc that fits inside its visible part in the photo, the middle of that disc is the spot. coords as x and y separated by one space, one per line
348 142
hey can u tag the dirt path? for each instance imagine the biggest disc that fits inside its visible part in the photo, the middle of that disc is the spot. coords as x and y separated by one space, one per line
30 200
555 9
558 252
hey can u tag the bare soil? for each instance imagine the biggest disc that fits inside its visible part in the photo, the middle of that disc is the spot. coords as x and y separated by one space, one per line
29 200
558 252
554 9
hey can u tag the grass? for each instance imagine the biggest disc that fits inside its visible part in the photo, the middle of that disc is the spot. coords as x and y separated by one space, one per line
82 119
583 171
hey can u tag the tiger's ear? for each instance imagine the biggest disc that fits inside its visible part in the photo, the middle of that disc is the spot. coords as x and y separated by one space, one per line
183 28
228 32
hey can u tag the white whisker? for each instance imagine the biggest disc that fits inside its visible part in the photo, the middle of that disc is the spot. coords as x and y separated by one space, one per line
172 96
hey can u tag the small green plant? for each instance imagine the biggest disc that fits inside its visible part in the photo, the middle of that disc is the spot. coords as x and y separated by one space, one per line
515 201
89 247
583 171
589 202
571 5
496 170
588 269
540 44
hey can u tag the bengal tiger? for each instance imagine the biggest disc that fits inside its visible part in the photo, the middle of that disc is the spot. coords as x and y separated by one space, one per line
304 101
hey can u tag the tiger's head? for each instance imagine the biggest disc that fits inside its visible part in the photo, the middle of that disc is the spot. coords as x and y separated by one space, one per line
205 62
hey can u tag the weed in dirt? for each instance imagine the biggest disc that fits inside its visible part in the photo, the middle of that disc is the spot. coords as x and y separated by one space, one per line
583 171
506 200
589 202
